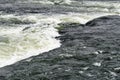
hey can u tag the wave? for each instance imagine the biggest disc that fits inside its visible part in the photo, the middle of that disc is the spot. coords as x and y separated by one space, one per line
12 19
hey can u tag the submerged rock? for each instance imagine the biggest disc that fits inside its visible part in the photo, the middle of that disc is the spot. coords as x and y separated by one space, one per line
90 51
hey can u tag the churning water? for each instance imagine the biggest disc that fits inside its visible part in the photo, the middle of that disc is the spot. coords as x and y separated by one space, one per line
29 34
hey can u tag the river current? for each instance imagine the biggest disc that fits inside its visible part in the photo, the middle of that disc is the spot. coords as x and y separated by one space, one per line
28 27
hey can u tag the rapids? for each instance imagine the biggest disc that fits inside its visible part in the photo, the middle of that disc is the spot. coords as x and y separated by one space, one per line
24 33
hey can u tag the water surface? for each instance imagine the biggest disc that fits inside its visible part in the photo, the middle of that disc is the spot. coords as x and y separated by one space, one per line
28 27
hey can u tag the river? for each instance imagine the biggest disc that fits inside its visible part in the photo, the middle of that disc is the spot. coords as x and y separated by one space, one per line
28 27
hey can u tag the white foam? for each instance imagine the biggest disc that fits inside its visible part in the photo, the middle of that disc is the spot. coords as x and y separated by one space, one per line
98 64
67 1
39 38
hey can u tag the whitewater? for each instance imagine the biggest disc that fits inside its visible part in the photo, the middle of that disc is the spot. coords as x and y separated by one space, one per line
30 34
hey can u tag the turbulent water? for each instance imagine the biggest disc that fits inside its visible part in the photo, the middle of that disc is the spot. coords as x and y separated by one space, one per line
28 27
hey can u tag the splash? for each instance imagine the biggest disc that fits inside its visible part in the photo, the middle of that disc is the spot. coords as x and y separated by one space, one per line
21 41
